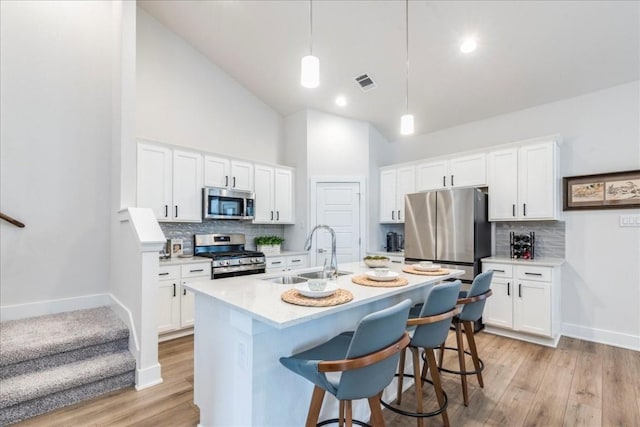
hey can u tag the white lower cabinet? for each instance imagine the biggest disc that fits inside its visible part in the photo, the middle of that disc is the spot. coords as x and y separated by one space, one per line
175 304
277 263
525 302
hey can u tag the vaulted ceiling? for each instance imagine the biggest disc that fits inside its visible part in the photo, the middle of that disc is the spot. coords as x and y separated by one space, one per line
529 53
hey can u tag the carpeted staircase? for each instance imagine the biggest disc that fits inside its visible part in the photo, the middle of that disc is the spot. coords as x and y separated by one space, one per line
52 361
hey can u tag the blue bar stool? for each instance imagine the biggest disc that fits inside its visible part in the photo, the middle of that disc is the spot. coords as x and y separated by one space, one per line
365 359
431 321
472 303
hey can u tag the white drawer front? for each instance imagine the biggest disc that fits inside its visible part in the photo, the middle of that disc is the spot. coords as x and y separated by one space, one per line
201 269
276 262
297 261
532 272
168 272
499 270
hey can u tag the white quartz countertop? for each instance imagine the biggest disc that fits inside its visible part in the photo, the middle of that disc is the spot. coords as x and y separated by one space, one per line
542 262
261 298
183 261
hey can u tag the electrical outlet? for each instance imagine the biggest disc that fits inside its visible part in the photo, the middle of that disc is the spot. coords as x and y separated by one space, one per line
629 220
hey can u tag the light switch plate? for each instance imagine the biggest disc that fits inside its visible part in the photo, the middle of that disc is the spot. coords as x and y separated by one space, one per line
629 220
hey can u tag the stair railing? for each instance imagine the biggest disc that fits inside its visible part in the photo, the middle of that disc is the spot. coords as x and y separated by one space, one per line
11 220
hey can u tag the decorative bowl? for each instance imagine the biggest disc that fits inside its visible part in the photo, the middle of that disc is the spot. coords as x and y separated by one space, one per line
376 261
382 276
317 284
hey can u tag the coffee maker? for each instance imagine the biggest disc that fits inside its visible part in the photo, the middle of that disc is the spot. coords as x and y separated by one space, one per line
392 242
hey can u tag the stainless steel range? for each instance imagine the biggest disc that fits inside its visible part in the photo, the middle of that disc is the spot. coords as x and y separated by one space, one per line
229 258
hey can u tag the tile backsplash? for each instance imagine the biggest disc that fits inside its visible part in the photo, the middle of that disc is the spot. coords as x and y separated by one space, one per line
186 231
550 237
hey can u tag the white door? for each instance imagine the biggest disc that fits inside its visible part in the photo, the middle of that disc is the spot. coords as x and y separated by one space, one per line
498 310
241 175
216 171
338 206
533 307
283 195
468 171
536 185
154 180
405 184
187 186
432 176
503 184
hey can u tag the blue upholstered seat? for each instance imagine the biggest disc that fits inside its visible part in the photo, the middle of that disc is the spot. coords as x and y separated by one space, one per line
374 332
431 320
472 304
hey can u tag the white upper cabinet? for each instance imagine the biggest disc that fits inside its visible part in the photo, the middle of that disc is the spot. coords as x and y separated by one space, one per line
225 173
395 183
170 183
273 195
455 172
523 183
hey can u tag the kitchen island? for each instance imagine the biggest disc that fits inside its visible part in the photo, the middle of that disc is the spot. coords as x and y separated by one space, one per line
242 328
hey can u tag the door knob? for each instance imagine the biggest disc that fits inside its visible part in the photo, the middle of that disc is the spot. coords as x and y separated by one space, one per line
321 250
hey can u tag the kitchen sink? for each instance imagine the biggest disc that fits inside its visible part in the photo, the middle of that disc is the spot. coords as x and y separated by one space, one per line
287 280
320 274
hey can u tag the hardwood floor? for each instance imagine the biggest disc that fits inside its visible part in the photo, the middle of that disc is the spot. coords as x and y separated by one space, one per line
577 384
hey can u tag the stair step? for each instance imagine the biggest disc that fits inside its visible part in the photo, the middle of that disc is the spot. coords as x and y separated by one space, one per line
42 336
51 402
23 388
58 359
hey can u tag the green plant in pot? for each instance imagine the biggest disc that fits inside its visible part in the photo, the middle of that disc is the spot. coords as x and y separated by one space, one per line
269 244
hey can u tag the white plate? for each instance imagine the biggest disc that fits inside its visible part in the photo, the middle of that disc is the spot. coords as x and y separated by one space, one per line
303 288
392 275
432 267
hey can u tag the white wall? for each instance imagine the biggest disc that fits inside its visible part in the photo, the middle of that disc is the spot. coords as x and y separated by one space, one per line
185 99
379 152
55 104
295 148
601 133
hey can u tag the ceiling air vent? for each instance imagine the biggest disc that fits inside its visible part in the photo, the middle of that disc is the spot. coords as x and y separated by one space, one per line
365 82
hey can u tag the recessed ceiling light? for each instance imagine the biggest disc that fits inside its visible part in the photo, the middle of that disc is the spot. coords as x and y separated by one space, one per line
468 45
341 101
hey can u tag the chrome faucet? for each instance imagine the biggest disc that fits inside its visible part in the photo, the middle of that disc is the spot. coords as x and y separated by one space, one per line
333 268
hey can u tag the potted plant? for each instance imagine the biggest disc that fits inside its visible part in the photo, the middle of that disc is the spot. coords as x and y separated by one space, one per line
269 244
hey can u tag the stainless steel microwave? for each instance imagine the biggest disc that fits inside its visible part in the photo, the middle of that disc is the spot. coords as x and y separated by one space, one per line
221 203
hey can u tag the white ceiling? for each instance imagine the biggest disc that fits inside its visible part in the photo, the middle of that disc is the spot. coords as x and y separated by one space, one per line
529 53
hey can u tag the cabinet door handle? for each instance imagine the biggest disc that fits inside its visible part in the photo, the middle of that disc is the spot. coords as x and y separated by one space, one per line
271 215
513 210
184 292
276 262
524 209
398 214
393 215
444 181
234 182
452 180
295 260
520 290
176 211
499 271
277 215
166 211
163 274
532 274
226 180
174 290
508 289
196 271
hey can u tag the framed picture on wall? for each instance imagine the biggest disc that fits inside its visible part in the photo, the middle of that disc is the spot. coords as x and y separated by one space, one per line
616 190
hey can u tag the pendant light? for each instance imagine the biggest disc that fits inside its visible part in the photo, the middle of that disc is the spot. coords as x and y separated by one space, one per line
310 65
406 121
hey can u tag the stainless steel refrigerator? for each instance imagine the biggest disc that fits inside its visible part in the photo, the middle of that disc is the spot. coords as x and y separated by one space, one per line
448 227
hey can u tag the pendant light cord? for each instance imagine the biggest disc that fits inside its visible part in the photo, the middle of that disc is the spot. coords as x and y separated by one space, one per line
311 27
407 44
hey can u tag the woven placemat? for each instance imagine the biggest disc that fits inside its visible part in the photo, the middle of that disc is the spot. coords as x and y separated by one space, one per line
340 296
365 281
409 269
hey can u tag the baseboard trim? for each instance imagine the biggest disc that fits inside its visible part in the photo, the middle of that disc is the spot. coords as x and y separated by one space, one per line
125 315
148 377
601 336
41 308
549 342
